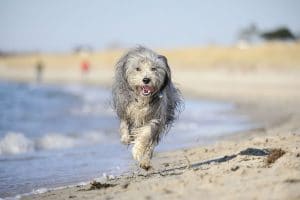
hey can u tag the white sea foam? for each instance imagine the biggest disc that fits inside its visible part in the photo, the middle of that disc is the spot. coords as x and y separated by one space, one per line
55 141
40 190
89 109
17 143
90 94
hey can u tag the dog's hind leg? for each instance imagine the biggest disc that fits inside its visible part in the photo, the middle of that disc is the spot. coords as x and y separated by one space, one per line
144 144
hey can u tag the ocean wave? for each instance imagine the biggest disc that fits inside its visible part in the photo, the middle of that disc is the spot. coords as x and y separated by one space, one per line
89 109
96 101
88 93
17 143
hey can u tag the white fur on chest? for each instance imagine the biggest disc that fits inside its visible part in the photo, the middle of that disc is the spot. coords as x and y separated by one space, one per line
138 113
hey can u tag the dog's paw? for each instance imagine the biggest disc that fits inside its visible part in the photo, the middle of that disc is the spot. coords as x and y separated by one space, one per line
138 154
145 164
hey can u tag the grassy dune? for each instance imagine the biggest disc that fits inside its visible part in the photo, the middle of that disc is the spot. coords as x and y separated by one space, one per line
66 67
264 55
268 54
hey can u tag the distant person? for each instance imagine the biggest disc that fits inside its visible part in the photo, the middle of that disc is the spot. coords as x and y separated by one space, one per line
39 68
85 67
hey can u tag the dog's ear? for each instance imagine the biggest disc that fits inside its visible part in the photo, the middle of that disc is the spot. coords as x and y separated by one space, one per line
121 72
168 71
121 64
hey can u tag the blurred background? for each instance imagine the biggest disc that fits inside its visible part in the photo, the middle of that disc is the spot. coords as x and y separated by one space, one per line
62 40
57 64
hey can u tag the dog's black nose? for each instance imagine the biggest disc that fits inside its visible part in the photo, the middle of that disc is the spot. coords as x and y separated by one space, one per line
146 80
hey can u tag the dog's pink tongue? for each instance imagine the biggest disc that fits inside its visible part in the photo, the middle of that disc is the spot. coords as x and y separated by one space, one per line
147 89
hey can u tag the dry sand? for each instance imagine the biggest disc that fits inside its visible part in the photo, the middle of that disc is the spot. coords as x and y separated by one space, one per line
263 163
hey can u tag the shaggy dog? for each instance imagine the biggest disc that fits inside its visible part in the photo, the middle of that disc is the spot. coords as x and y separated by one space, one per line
145 100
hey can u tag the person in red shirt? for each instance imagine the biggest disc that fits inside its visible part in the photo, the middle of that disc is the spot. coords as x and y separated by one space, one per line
85 66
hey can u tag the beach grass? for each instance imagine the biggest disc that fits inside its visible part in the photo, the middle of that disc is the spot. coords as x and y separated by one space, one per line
276 55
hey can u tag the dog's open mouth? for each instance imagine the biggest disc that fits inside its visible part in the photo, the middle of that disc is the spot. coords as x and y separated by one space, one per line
147 90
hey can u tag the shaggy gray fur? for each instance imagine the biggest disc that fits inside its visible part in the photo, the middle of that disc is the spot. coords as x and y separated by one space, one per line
144 119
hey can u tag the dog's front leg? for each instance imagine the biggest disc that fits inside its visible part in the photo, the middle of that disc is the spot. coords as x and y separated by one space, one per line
124 132
144 144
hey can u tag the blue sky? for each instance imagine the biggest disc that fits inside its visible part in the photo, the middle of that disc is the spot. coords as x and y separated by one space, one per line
59 25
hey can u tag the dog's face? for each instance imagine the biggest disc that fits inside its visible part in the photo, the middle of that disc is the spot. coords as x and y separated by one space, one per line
146 76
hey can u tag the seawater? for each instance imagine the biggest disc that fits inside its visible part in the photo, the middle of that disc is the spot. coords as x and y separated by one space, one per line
57 135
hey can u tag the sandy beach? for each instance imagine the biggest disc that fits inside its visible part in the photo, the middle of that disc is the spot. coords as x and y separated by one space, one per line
263 163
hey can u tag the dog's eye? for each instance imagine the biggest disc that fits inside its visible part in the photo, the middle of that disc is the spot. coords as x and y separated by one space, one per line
153 69
138 69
